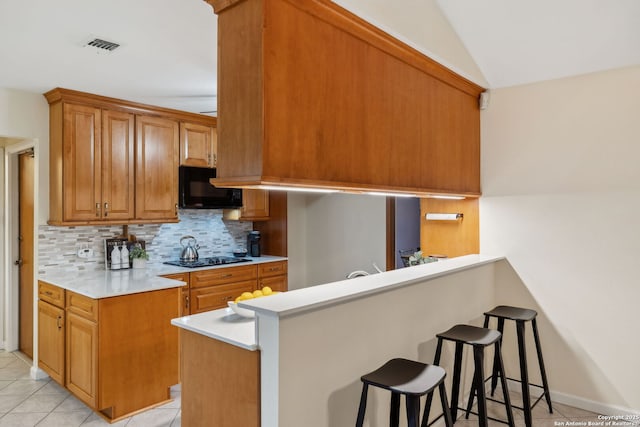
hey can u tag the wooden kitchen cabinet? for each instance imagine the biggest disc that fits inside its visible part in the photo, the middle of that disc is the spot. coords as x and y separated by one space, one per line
255 207
198 145
414 128
214 297
120 353
274 275
51 334
81 358
115 161
156 168
93 173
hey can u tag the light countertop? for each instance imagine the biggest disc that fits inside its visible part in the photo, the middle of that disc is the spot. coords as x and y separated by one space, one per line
109 283
306 299
223 325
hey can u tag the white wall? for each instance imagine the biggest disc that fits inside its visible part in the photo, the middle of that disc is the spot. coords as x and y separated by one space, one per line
25 115
561 193
331 235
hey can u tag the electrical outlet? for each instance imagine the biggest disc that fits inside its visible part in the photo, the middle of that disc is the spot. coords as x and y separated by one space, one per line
85 253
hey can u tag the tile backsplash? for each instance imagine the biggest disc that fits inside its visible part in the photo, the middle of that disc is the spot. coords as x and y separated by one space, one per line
58 246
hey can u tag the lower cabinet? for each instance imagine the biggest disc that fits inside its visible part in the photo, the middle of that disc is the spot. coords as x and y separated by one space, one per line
51 333
82 358
119 354
212 289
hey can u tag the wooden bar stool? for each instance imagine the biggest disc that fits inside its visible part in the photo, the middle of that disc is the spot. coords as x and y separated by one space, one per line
478 338
411 379
521 316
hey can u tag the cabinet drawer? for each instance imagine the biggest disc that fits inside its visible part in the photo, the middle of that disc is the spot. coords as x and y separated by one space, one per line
219 276
213 297
51 294
272 269
82 306
276 283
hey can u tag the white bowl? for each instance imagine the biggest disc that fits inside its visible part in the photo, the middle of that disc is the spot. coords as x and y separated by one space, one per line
241 311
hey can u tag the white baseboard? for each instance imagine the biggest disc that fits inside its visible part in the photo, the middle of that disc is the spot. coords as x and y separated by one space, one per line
576 401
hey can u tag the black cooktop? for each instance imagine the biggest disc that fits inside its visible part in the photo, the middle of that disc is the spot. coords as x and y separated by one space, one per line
206 262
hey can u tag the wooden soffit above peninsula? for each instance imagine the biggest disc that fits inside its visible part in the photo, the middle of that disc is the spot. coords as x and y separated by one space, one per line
310 95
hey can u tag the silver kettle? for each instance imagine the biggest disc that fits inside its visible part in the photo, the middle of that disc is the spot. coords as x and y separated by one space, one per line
190 250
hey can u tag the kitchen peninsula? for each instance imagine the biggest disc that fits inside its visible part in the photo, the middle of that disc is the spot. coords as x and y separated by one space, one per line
302 357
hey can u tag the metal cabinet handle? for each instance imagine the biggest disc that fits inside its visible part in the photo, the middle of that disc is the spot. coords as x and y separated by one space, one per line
98 209
226 276
215 160
58 322
176 209
18 262
186 302
49 293
225 299
106 208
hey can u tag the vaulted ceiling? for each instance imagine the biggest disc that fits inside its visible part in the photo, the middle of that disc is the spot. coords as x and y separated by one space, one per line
167 55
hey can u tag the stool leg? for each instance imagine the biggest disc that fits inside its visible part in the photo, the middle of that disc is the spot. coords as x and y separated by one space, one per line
478 375
436 360
457 367
363 405
394 413
472 395
448 422
524 374
503 383
543 372
494 374
413 410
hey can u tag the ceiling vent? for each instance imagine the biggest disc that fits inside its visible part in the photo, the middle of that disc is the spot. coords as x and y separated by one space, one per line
102 45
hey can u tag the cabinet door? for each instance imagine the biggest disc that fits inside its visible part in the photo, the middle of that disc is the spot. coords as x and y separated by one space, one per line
197 145
81 159
156 168
117 165
221 276
51 341
82 358
214 297
255 205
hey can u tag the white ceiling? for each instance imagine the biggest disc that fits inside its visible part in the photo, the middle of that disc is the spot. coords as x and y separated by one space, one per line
515 42
168 52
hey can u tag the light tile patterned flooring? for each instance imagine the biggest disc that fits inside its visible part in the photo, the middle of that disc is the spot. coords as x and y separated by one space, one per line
25 403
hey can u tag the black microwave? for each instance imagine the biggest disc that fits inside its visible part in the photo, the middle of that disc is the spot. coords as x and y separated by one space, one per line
196 192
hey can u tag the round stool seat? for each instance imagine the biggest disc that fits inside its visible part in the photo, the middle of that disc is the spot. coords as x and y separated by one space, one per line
472 335
406 377
512 313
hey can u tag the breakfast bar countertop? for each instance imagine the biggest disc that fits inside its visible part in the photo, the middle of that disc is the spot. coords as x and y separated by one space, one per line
223 325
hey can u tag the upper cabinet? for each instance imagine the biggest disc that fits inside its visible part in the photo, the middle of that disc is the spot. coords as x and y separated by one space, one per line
198 145
116 162
376 114
156 168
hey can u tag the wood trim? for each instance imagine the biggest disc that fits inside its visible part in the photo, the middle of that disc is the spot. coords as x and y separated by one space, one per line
391 233
76 97
220 5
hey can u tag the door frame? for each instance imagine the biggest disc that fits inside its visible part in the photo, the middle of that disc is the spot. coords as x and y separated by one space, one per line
11 250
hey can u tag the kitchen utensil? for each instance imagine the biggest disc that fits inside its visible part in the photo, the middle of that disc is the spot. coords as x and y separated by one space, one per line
240 254
190 250
253 243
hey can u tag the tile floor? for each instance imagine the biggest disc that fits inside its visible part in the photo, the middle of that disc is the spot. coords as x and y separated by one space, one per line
25 403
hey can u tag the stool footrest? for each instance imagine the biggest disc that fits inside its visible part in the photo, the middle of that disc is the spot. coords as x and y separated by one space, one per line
491 418
434 420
